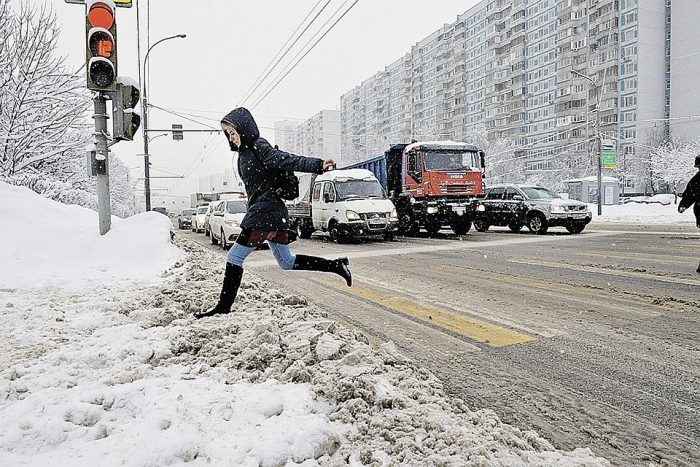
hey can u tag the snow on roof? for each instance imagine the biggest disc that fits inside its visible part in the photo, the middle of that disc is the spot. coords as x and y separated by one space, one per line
592 178
339 174
444 143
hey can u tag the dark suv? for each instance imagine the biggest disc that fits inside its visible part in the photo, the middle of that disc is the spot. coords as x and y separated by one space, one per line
538 208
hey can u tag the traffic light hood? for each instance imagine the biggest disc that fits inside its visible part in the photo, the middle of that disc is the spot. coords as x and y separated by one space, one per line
245 125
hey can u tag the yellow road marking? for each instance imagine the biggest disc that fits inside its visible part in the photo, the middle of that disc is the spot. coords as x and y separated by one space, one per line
481 331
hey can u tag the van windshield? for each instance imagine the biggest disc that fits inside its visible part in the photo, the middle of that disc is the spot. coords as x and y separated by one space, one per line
444 160
236 207
358 189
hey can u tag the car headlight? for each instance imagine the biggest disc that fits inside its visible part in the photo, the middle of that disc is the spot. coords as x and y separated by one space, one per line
481 208
394 214
557 209
352 216
432 210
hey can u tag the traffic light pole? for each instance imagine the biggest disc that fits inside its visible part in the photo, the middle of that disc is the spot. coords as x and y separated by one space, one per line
101 154
147 164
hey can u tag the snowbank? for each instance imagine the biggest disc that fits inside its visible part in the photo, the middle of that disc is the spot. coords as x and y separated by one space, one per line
640 213
48 243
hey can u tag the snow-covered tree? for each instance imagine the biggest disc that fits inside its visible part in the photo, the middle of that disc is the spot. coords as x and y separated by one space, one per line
504 162
44 120
673 163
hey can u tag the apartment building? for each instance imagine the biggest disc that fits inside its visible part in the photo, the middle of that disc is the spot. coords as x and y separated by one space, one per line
318 136
684 68
548 74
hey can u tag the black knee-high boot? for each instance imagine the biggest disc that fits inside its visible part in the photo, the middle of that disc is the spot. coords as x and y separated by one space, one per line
314 263
229 290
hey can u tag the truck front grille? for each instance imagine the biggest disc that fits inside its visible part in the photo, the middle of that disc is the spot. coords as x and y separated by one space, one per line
457 188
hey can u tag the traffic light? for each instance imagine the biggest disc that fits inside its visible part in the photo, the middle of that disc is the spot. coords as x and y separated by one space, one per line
125 119
101 50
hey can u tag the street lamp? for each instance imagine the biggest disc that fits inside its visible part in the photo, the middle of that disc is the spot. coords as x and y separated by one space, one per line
147 178
600 140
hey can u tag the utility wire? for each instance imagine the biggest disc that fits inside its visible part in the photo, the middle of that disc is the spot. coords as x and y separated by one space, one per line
182 116
258 82
309 50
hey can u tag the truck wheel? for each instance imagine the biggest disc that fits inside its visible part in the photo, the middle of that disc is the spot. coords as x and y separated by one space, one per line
462 227
388 236
304 231
537 224
576 227
480 225
407 226
515 227
433 228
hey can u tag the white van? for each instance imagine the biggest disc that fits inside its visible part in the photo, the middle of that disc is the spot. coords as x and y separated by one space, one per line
347 203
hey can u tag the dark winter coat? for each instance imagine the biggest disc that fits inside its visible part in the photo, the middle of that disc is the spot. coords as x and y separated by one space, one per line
691 196
258 164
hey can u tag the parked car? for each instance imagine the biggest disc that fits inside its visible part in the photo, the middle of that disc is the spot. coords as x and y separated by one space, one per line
198 218
160 209
225 221
635 199
207 216
184 220
538 208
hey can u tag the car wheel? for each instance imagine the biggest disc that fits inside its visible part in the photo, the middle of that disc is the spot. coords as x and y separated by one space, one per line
576 227
179 225
207 232
480 225
515 227
212 239
224 243
537 224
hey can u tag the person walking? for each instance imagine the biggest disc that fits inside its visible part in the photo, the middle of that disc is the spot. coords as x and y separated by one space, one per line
691 196
260 167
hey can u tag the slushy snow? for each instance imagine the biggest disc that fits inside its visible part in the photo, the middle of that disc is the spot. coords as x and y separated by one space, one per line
102 364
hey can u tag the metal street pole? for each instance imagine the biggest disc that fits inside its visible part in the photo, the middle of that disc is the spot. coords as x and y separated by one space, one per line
101 158
600 140
147 175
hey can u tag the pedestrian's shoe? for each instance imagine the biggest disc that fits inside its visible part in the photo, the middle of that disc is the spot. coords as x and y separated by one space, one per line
314 263
229 290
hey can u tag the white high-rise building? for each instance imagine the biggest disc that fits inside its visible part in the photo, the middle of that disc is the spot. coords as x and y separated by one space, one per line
318 136
542 73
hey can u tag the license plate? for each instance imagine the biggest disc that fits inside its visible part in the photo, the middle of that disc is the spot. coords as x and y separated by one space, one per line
459 210
579 216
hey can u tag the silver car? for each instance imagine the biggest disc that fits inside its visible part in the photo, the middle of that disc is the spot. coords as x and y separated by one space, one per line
537 208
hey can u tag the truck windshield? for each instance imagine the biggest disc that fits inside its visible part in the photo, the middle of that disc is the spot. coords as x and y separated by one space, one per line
236 207
444 160
539 193
350 189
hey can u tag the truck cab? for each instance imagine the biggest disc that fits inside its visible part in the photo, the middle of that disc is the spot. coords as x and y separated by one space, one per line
351 203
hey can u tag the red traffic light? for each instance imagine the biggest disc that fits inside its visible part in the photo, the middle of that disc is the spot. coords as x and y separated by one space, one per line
100 15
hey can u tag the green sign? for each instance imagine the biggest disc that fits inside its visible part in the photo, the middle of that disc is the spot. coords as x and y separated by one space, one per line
609 158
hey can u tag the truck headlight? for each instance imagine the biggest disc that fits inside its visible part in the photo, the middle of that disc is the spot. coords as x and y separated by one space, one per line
557 209
432 210
481 208
394 214
352 216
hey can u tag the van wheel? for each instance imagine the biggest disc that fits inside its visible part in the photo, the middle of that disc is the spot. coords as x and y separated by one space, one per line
336 234
224 243
537 224
213 240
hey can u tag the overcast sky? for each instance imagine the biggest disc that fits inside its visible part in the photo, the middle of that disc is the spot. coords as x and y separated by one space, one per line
228 45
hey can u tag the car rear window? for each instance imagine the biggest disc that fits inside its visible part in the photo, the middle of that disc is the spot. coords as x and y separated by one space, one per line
202 210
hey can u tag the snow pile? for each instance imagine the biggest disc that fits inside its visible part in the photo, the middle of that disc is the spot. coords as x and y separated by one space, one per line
48 243
98 376
641 213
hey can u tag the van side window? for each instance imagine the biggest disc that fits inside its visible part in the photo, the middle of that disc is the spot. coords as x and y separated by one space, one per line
317 192
328 190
